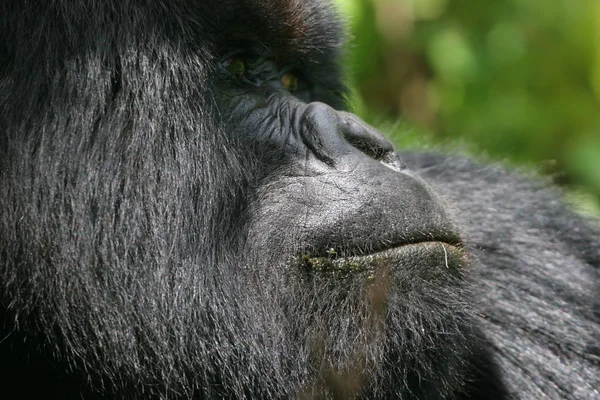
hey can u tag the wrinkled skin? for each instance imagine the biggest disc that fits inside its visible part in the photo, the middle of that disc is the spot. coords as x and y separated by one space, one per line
188 211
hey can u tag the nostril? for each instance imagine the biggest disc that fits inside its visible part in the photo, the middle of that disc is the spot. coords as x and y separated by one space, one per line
369 140
364 137
329 134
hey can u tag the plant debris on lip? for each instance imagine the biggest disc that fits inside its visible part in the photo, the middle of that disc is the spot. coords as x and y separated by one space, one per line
334 264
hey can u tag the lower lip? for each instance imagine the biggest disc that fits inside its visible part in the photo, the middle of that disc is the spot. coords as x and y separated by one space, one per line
426 254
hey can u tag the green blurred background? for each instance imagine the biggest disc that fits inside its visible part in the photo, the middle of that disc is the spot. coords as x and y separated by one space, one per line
515 80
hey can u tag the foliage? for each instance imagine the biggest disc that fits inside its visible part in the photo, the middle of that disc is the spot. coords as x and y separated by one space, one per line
517 79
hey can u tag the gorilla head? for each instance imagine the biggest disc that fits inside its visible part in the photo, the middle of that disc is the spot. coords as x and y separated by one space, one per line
188 211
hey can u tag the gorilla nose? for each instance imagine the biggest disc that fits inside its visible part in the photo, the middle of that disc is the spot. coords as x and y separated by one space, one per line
330 134
369 140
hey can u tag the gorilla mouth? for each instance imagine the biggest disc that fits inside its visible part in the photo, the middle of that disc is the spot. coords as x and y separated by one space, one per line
428 253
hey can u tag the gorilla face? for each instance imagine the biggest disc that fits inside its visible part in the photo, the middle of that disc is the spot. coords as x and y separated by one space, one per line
188 211
329 183
352 267
332 186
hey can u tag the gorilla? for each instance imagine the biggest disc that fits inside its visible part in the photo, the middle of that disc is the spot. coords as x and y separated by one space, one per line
188 210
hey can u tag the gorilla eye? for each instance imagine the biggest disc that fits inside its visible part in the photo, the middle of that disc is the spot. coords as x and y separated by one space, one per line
236 67
258 71
289 82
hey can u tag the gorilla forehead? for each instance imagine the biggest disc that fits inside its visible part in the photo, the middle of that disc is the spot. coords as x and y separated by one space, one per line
287 28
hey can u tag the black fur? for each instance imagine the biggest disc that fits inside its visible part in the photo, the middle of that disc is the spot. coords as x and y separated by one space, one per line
157 215
535 267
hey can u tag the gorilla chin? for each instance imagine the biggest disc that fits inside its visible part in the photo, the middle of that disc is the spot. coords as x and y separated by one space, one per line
376 320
